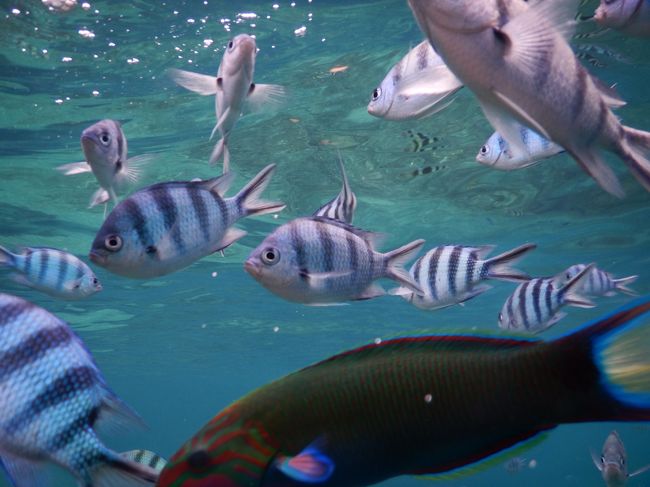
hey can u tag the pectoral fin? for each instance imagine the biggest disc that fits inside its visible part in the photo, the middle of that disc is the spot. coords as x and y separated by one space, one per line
231 236
596 459
260 95
310 466
74 168
198 83
639 471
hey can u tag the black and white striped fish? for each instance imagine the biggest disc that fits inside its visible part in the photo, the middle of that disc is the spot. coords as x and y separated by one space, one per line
168 226
52 271
321 261
601 283
535 305
146 457
53 396
342 207
452 274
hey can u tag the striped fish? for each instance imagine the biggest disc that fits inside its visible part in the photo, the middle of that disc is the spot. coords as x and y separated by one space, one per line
420 405
452 274
52 271
53 396
342 207
601 283
168 226
535 305
320 261
145 457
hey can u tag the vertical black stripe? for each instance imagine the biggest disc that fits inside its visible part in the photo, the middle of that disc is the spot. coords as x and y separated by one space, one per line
453 268
579 93
522 304
416 270
222 209
298 244
548 298
471 264
132 208
42 271
138 456
71 431
64 265
327 246
29 255
200 210
353 252
536 301
166 206
154 460
13 309
433 270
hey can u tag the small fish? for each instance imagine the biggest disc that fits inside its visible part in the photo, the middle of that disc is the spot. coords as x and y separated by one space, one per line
419 85
515 465
613 462
497 153
601 283
534 306
104 146
342 207
234 89
319 261
53 396
451 274
168 226
52 271
145 457
632 17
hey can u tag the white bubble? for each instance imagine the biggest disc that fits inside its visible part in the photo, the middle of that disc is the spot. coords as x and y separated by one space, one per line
203 325
207 42
275 6
66 59
377 341
532 463
428 398
276 329
58 101
293 4
133 60
300 31
190 21
214 274
85 6
88 34
111 44
95 93
15 11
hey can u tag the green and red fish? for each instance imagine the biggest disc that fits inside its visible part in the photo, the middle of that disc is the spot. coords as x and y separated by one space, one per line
420 405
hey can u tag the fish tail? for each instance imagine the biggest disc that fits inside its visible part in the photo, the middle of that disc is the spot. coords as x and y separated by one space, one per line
499 267
248 199
113 469
572 292
100 196
622 283
6 257
594 165
634 150
219 150
395 261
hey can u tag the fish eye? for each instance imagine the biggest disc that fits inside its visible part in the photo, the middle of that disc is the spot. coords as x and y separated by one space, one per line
105 138
95 281
230 44
500 317
113 243
485 149
270 256
376 94
198 460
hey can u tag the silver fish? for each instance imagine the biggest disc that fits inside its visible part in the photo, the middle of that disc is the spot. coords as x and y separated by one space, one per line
535 305
497 153
452 274
343 205
104 146
145 457
320 261
168 226
612 462
516 60
419 85
52 271
601 283
234 89
53 396
632 17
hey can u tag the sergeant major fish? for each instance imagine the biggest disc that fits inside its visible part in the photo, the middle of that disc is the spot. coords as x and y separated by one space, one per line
52 271
601 283
343 205
612 462
234 88
632 17
168 226
53 396
146 457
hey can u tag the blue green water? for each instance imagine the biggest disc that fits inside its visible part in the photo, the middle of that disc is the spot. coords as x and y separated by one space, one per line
180 348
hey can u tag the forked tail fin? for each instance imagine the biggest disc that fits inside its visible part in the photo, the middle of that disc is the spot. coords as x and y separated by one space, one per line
395 261
249 198
622 285
635 150
499 267
113 470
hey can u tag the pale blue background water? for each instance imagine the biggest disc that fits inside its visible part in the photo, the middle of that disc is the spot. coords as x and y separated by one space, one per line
180 348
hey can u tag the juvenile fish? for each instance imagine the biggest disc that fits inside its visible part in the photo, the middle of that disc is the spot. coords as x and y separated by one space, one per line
320 261
342 207
145 457
234 89
419 85
601 283
535 305
539 81
632 17
52 271
452 274
613 462
168 226
53 396
105 150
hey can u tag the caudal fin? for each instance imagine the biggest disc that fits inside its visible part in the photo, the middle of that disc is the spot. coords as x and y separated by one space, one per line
499 267
622 283
6 257
634 151
592 162
221 149
395 261
249 198
114 470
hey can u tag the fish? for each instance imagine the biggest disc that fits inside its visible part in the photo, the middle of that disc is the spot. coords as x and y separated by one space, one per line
601 283
515 465
420 405
145 457
168 226
343 205
105 149
52 271
612 462
535 305
418 86
631 17
234 89
539 81
497 153
320 261
53 397
452 274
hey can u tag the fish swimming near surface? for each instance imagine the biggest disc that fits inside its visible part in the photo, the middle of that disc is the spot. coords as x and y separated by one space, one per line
539 81
53 397
320 261
601 283
535 305
452 274
145 457
420 405
104 146
52 271
498 154
168 226
631 17
343 205
612 462
234 89
419 85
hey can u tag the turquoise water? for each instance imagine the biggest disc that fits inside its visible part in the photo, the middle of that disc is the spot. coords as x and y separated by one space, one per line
180 348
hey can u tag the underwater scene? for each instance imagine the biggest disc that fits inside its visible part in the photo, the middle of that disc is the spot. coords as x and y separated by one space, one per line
310 182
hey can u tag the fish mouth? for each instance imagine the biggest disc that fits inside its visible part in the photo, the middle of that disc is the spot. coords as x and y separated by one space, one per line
98 259
253 268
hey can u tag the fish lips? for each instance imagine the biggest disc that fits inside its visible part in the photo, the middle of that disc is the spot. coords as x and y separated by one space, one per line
98 258
253 267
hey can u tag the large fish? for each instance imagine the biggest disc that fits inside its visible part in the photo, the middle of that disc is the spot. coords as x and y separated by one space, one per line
234 89
343 205
53 396
168 226
632 17
612 462
516 59
420 405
